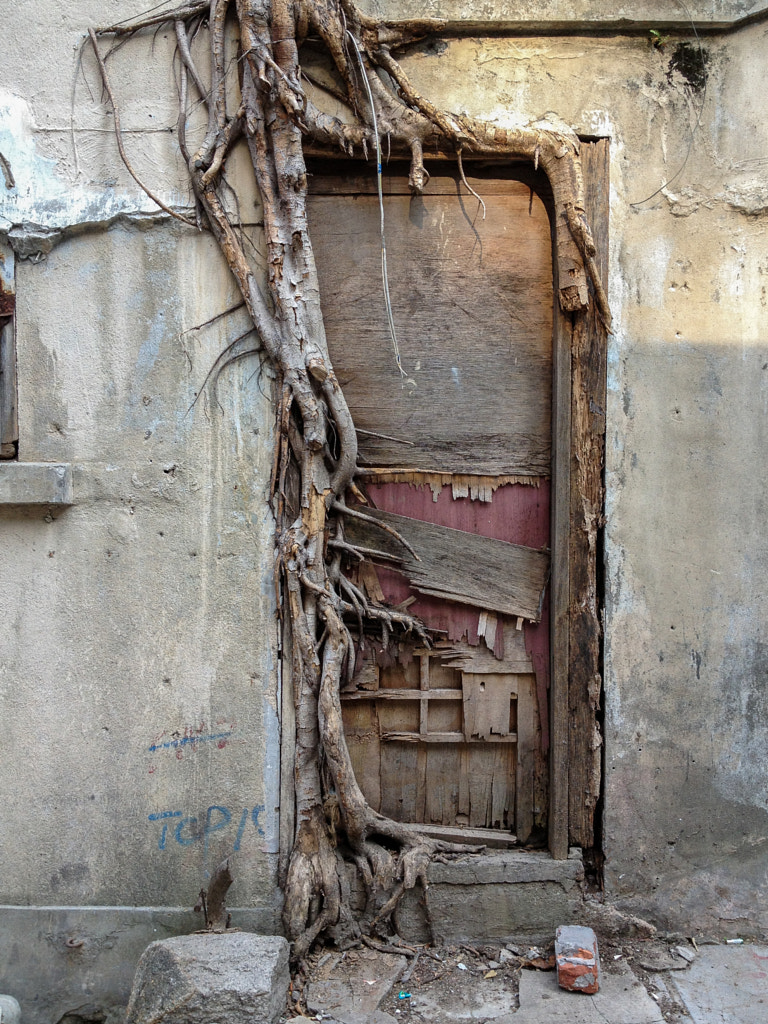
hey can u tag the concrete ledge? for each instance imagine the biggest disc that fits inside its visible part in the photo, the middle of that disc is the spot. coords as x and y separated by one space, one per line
506 869
36 483
59 960
548 17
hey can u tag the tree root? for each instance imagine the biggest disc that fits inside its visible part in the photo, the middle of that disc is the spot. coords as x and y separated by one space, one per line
316 445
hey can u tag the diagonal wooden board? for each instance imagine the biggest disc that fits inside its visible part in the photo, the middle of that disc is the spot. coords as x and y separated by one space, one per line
460 566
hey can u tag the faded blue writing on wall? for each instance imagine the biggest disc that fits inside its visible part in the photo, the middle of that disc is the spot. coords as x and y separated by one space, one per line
184 741
188 830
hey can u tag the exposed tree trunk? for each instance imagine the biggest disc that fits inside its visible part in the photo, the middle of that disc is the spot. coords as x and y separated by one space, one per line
316 434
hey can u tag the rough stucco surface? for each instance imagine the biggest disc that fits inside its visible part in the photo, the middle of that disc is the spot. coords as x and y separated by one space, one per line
137 675
144 613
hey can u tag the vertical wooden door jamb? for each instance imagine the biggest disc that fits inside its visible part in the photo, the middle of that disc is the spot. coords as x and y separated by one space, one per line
588 391
560 580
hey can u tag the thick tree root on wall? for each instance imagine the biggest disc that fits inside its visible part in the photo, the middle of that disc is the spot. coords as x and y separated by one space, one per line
316 447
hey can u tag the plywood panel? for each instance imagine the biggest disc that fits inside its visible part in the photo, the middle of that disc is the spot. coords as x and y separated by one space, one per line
459 566
472 304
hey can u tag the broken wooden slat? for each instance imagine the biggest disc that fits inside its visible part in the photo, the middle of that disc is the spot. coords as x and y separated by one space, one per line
502 807
367 677
402 694
475 836
480 659
477 487
481 773
459 566
442 791
370 581
361 728
424 683
444 737
526 752
399 781
487 701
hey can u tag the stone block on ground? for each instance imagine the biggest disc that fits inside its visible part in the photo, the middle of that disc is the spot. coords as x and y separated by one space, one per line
236 977
577 959
10 1011
622 999
726 984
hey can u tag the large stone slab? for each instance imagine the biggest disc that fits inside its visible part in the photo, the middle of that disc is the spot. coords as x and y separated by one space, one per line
726 984
237 977
621 1000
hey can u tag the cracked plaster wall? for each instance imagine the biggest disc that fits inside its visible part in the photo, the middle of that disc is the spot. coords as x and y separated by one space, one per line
105 383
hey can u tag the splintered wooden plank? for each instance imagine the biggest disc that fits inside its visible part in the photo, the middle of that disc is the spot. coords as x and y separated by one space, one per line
487 700
361 728
399 781
526 754
422 737
472 304
481 770
475 836
459 566
442 794
502 787
402 694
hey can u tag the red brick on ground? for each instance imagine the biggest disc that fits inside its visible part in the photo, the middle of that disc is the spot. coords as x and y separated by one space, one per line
577 959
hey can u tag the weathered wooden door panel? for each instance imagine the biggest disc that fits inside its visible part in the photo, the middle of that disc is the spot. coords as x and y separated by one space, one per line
454 738
472 301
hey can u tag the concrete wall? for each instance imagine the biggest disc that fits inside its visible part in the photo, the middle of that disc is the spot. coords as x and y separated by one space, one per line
144 613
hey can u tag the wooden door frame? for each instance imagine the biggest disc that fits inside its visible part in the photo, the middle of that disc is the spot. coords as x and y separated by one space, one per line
577 515
578 460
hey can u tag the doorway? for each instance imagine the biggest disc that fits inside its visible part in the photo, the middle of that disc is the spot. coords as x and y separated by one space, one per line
455 425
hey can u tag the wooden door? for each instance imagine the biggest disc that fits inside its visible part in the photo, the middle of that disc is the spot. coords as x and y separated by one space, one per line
456 438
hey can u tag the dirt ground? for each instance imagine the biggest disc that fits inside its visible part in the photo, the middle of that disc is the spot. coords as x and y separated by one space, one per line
458 984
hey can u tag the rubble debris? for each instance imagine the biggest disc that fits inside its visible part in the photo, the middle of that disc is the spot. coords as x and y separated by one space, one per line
687 954
356 991
577 959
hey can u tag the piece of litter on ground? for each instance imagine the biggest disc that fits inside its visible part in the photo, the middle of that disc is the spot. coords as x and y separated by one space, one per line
734 942
462 967
490 974
403 995
617 956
